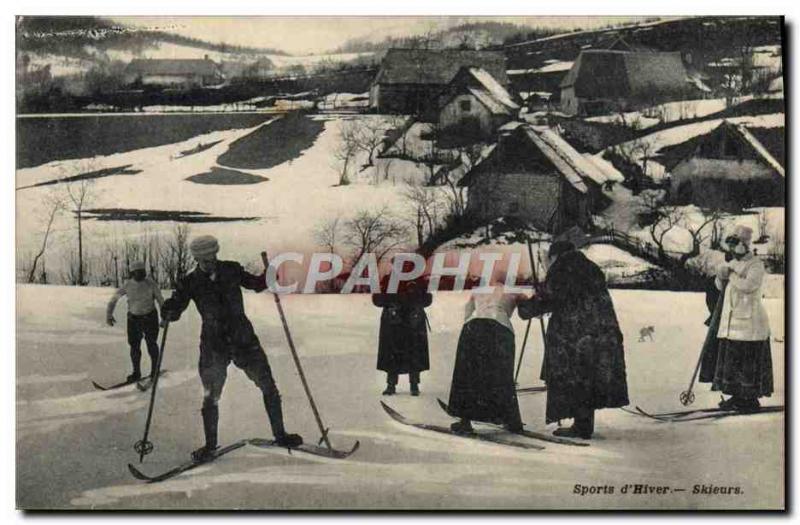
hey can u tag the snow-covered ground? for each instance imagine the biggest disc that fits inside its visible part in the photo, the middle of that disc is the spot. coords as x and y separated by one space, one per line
73 442
668 112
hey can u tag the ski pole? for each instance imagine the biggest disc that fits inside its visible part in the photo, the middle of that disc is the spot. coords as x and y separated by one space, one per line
297 364
541 321
143 446
687 396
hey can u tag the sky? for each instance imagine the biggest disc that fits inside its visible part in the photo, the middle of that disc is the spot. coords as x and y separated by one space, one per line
306 35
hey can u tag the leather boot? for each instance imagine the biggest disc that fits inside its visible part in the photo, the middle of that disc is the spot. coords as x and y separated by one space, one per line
210 421
275 415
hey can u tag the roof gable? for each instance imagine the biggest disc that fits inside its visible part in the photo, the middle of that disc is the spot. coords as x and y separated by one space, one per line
618 74
671 156
573 166
437 66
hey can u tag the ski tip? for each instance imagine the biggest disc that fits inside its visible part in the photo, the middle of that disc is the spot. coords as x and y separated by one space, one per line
136 473
99 387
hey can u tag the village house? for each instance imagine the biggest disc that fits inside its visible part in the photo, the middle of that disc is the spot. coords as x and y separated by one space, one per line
174 72
731 167
534 175
410 81
473 107
610 80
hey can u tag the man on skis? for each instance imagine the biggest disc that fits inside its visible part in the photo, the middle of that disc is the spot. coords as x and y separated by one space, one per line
226 336
141 292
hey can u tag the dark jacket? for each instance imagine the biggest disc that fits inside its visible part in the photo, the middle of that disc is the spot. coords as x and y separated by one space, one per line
584 363
219 303
403 339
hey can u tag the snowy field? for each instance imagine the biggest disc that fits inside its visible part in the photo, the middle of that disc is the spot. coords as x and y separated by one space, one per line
73 442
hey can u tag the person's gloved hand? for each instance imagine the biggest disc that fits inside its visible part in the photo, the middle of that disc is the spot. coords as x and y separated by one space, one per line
169 315
110 320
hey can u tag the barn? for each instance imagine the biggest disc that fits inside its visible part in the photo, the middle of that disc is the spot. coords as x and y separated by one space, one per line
731 167
534 175
474 106
410 81
609 80
174 72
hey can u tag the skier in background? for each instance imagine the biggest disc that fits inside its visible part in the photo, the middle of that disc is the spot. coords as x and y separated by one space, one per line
142 292
743 368
226 336
403 339
483 388
584 362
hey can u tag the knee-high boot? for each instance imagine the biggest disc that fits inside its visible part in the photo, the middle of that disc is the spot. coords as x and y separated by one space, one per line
210 422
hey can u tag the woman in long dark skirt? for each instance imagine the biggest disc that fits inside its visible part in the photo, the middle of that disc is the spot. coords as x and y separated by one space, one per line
403 339
483 377
744 361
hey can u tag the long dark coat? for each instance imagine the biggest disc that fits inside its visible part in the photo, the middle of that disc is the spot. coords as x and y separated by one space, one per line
220 304
584 363
403 339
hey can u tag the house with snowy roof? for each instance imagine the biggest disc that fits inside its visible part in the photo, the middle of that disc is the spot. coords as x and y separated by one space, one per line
731 167
609 80
410 81
474 106
532 174
182 72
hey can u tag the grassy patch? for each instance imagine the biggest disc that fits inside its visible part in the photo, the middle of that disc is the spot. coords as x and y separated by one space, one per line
96 174
274 144
127 214
225 176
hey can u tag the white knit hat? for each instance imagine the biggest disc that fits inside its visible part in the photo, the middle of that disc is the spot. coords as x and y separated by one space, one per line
203 246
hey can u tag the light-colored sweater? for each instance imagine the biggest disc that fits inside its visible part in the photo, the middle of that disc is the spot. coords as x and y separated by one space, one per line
497 306
140 294
743 315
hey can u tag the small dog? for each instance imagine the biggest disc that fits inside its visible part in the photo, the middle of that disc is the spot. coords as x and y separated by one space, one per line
646 332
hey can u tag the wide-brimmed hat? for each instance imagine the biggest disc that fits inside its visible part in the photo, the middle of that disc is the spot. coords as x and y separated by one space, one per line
204 246
743 233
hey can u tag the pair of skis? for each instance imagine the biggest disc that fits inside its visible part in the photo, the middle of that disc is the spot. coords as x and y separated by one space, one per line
256 442
143 384
500 437
700 414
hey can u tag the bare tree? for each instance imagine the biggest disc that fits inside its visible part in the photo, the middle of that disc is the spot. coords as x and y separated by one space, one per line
327 233
660 219
348 146
54 205
763 226
425 205
175 258
697 231
369 136
80 194
373 232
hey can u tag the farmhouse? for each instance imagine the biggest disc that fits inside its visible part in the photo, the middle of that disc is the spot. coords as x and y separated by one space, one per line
731 167
534 175
604 81
174 72
410 81
474 106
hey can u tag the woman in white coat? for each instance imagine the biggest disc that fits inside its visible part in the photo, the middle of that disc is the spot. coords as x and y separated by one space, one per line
744 362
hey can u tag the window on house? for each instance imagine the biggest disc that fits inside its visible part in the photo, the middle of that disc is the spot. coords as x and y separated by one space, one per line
729 148
465 105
